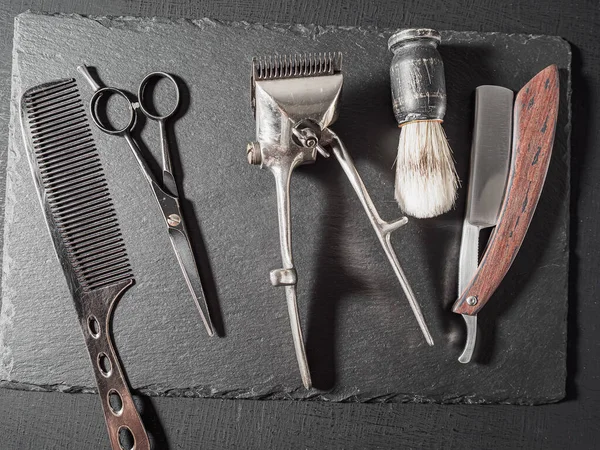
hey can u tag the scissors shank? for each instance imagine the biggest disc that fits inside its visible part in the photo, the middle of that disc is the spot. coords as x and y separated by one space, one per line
169 184
169 204
167 167
140 159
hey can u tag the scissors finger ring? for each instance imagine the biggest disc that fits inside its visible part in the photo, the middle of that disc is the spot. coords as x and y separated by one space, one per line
147 106
98 118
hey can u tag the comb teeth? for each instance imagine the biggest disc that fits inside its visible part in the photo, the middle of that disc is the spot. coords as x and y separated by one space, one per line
72 179
291 66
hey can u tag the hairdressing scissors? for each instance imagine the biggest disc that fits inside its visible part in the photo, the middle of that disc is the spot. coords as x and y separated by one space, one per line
167 195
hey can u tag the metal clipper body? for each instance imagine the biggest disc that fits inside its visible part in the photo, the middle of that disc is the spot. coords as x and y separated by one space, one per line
295 100
285 91
417 76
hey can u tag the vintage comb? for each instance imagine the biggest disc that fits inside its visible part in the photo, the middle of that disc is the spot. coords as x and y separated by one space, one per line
82 221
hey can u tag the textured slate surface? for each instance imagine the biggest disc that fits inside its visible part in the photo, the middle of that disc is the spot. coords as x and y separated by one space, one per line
360 335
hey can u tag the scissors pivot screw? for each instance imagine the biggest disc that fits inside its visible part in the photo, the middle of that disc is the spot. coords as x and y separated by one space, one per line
253 153
173 220
472 300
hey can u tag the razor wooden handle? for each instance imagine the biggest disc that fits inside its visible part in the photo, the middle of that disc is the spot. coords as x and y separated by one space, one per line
535 115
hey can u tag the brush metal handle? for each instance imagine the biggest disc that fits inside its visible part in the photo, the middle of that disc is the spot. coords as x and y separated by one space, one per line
121 416
536 111
417 75
383 229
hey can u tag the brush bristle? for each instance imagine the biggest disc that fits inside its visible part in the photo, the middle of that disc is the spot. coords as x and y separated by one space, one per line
426 179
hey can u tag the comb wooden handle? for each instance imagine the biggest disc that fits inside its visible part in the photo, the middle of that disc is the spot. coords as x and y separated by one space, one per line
535 115
125 428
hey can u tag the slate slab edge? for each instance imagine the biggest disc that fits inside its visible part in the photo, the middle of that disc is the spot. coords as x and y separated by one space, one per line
12 200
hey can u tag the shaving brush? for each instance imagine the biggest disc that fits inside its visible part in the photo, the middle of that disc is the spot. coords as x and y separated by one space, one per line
426 179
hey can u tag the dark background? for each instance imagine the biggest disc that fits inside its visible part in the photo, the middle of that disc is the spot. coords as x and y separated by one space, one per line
63 421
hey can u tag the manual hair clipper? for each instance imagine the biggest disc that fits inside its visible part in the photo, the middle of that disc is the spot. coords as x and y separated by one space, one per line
295 100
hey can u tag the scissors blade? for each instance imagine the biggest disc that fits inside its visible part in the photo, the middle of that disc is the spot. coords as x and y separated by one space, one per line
187 263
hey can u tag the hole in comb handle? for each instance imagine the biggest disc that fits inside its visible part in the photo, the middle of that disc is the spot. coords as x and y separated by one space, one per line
94 327
104 365
115 402
126 439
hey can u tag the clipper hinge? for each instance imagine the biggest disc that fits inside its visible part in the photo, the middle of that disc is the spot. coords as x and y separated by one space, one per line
307 133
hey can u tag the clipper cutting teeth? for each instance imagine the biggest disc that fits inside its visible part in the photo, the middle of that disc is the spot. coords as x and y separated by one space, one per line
291 66
71 180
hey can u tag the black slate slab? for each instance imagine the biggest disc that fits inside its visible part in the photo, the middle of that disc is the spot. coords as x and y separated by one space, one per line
362 340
